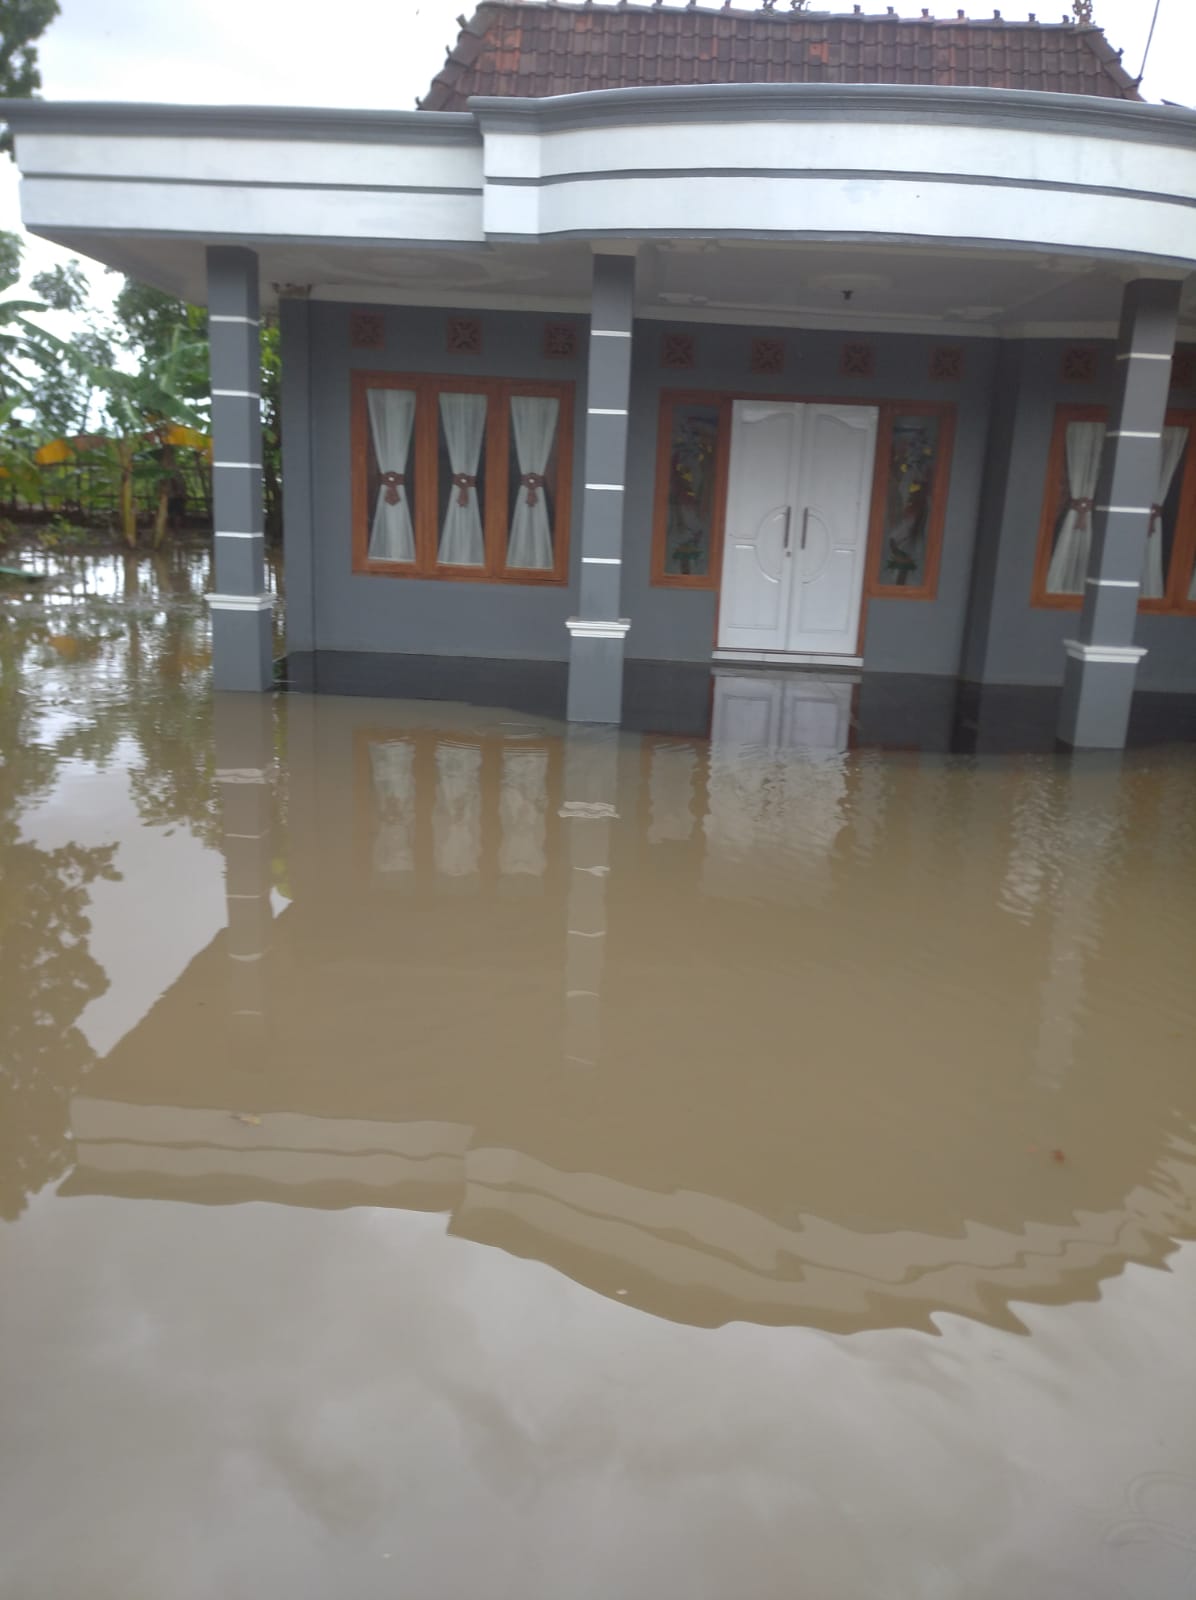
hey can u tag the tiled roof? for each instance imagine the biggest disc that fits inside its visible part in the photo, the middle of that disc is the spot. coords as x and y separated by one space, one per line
547 47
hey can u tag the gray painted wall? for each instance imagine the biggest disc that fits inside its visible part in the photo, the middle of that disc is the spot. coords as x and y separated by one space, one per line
901 635
1007 394
410 615
1024 643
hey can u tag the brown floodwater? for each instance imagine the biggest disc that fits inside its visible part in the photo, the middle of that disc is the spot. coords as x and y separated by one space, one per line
445 1152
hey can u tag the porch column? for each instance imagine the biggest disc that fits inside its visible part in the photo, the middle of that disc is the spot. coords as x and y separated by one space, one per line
241 635
597 632
1102 662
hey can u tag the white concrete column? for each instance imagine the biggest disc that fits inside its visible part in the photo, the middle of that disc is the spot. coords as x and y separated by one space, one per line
1102 660
241 608
597 633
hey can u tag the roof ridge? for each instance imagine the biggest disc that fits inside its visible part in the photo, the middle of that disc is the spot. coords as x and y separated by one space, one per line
764 13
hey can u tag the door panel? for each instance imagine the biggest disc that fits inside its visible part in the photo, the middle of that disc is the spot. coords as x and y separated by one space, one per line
833 492
755 602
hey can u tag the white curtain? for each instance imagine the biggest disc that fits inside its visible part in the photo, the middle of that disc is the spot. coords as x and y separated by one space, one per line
523 812
392 768
392 418
533 422
457 817
464 419
1175 442
1069 564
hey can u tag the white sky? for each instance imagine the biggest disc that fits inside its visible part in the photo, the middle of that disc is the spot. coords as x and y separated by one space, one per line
384 53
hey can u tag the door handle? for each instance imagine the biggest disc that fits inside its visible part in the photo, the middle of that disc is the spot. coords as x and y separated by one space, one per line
805 526
788 526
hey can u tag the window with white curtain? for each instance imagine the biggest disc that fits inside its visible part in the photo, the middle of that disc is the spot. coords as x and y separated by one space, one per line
461 478
1168 581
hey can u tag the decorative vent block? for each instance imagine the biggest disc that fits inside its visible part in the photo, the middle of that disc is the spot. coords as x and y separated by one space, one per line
677 351
946 363
768 356
367 330
858 361
1183 368
560 341
1079 364
464 336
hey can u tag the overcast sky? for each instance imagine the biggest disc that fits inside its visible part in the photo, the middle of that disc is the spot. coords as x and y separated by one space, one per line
384 53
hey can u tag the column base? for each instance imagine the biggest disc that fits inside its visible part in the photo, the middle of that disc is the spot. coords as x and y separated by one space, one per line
1098 691
242 642
595 670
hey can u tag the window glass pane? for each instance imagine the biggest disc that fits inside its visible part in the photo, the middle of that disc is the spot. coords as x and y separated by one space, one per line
532 507
1164 513
462 480
693 454
913 459
391 474
1071 520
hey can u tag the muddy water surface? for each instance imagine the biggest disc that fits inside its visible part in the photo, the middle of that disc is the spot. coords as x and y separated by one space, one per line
442 1152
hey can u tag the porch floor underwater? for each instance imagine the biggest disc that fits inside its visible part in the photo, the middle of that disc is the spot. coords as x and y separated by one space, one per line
884 710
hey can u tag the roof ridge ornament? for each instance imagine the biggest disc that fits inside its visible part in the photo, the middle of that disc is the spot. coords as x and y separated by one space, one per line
1083 10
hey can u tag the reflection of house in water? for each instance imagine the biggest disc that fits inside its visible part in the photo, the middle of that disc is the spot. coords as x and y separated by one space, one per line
728 1039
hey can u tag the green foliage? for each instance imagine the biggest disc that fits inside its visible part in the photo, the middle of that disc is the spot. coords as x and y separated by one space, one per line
63 288
22 23
151 323
62 395
20 339
11 251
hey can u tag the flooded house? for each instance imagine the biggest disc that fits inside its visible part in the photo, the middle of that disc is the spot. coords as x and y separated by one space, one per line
657 336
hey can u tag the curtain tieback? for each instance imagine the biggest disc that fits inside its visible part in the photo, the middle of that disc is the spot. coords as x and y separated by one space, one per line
533 482
465 482
1083 509
393 482
1156 517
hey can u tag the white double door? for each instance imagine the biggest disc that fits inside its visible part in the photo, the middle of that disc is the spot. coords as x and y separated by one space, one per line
796 528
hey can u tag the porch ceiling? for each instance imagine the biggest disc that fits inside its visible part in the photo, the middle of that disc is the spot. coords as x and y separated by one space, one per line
899 288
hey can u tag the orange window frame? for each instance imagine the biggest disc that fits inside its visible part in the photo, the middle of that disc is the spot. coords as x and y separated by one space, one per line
670 399
426 469
940 488
888 410
1175 600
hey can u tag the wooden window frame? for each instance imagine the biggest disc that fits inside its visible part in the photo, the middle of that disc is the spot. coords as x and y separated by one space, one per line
723 399
890 410
720 400
1174 601
428 386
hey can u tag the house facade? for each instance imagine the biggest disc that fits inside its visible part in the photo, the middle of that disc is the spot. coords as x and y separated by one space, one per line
863 343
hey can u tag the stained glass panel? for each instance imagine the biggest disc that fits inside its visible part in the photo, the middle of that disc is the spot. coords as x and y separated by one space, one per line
693 455
909 495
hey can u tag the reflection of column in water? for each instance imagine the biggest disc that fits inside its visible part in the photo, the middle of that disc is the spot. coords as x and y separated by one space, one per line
1086 848
244 739
670 792
392 773
522 809
457 817
591 778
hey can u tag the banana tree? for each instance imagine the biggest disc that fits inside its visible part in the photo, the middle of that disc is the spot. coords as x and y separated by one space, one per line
20 473
151 417
20 339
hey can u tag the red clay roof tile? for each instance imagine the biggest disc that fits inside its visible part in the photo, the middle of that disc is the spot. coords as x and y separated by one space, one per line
547 47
